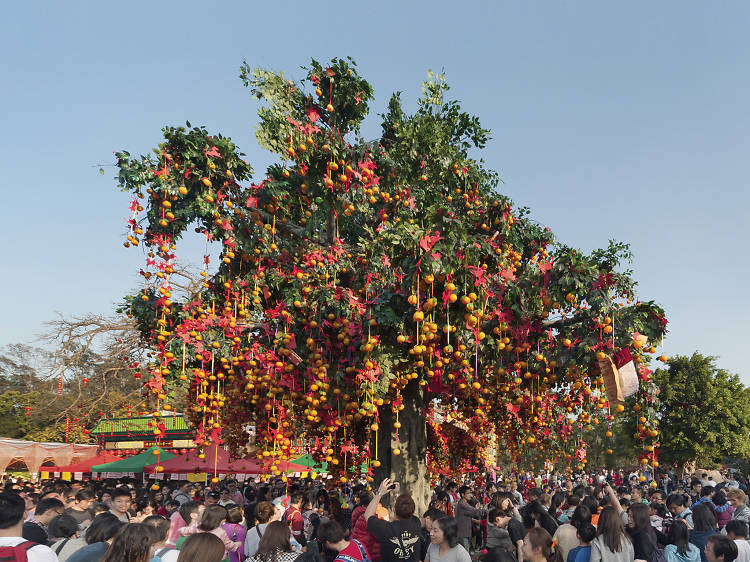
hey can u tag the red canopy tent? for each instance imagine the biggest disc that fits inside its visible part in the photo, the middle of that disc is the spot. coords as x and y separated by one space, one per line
83 466
217 461
255 466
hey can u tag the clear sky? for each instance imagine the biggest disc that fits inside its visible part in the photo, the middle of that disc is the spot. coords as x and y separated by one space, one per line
625 120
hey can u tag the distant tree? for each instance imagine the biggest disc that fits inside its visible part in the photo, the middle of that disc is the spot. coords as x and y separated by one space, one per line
58 392
705 412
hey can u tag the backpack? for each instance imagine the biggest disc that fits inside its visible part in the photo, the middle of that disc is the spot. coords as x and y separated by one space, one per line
362 553
18 553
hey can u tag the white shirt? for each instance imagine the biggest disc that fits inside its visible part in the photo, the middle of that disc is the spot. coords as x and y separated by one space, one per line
169 555
38 553
743 551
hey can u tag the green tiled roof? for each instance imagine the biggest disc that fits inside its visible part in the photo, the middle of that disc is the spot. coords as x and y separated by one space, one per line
124 426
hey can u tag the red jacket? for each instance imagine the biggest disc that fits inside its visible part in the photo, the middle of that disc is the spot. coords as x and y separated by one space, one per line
368 540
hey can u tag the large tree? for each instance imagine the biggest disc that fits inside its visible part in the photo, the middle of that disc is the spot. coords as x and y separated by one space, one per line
379 299
705 412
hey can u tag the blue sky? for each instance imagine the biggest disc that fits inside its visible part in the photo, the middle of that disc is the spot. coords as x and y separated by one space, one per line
609 120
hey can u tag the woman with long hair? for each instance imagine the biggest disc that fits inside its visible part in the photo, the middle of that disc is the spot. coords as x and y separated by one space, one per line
203 547
444 545
535 513
275 546
641 532
612 543
131 544
538 546
704 526
679 548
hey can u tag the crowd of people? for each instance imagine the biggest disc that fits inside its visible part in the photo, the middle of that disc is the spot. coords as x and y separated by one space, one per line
609 517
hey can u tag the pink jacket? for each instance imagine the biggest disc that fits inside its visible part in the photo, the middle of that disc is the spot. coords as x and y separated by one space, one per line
175 523
229 545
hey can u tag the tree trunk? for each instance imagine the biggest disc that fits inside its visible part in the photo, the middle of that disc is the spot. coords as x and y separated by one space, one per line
409 468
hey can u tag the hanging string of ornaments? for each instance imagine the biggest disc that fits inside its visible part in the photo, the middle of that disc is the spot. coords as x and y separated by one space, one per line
357 275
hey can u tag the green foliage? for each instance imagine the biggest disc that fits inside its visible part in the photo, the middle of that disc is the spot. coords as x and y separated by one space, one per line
357 276
31 407
705 412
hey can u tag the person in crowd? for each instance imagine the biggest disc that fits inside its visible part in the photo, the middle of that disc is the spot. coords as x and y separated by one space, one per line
703 528
225 497
79 509
738 499
187 515
695 490
465 512
679 548
265 513
721 549
235 530
99 536
184 493
212 519
343 516
506 503
612 543
132 543
641 532
146 508
63 530
331 536
275 545
203 547
46 510
534 513
538 546
120 506
444 542
586 533
431 515
167 508
571 502
566 535
707 493
677 505
293 516
361 533
723 508
497 531
105 497
12 510
738 532
399 538
163 552
234 494
656 515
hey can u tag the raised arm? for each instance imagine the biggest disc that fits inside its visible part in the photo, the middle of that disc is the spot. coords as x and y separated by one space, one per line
613 499
383 490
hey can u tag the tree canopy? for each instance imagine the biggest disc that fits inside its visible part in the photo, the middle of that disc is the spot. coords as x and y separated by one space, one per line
51 395
704 412
370 294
